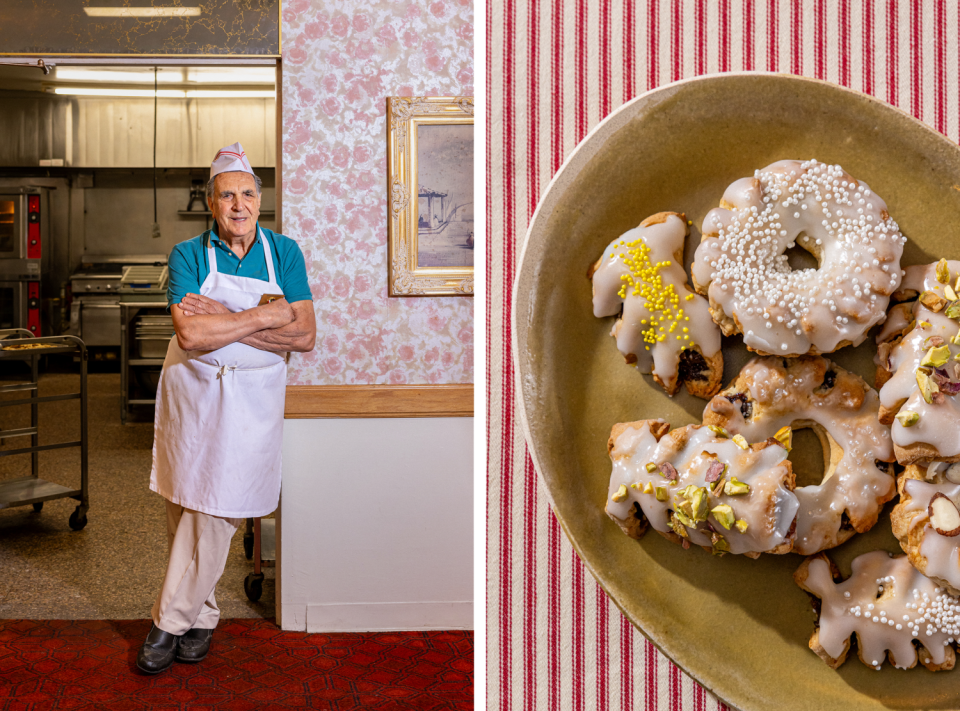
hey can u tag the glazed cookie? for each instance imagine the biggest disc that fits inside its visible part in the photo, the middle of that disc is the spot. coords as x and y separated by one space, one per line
927 522
772 395
695 487
662 327
742 265
918 366
890 607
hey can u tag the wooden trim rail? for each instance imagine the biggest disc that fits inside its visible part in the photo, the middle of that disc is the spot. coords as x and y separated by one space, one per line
344 401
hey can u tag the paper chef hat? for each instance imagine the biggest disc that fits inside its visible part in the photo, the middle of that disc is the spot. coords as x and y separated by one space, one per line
229 159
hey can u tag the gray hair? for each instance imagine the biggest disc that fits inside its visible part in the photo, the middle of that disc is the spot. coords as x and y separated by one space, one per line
212 180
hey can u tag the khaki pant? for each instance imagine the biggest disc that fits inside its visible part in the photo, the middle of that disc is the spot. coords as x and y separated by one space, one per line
199 544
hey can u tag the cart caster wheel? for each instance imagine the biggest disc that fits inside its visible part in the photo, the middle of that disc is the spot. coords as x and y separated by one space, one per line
78 521
253 586
248 545
38 507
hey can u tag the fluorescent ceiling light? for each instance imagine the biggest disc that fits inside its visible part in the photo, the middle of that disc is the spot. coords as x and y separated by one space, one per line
164 93
167 75
140 76
78 91
252 94
232 75
142 11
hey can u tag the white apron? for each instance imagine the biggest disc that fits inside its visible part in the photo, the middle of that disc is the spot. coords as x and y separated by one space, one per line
219 415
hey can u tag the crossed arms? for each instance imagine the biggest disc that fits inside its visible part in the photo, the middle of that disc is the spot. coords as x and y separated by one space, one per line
204 324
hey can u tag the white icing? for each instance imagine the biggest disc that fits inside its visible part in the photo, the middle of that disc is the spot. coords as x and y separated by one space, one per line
769 508
687 319
784 397
785 312
939 424
908 599
942 552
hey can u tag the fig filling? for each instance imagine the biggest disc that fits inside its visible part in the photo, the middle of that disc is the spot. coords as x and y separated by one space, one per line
829 380
692 365
746 407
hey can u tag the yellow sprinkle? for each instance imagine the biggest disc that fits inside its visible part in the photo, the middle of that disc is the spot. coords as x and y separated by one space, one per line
688 297
686 330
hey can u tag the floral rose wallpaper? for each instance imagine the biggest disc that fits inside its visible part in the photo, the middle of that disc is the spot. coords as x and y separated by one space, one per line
340 62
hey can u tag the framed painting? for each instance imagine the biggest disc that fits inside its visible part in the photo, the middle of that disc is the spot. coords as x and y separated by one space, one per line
430 195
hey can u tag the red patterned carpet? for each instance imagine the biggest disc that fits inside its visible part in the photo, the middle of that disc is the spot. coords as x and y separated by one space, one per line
90 664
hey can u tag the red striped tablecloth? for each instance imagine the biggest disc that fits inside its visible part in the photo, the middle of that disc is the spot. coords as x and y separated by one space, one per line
555 69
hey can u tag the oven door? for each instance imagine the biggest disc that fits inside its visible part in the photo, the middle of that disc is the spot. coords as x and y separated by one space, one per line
13 226
14 305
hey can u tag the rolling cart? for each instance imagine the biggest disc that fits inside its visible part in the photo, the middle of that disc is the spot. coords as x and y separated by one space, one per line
32 489
259 543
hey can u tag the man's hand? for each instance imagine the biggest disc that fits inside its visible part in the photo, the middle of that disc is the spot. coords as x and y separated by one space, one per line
298 335
193 304
279 312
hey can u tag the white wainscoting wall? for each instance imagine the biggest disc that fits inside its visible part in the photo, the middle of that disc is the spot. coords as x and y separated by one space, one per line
375 528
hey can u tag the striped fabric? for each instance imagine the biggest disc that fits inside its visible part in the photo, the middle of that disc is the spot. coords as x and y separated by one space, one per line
555 68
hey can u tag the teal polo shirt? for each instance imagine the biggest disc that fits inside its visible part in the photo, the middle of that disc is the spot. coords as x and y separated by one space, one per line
189 268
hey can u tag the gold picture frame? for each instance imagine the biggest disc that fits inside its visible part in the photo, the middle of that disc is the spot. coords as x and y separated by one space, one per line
425 241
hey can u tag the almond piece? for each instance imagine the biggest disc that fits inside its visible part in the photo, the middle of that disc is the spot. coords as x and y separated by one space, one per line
953 473
944 515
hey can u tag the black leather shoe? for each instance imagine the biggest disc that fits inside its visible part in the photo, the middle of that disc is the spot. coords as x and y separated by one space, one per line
158 651
194 645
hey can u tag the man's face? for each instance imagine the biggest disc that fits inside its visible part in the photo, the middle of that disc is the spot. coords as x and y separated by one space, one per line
235 204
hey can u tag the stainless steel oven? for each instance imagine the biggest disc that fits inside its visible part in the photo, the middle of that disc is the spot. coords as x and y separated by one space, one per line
21 223
20 305
23 229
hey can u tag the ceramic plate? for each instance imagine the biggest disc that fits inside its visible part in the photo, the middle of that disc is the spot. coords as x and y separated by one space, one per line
738 626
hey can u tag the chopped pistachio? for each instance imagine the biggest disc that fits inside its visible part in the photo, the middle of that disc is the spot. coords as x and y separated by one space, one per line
684 507
661 492
735 488
636 485
950 293
720 545
908 418
741 525
678 527
648 488
620 494
926 385
933 301
668 471
651 467
700 504
724 515
943 271
922 325
956 339
740 441
784 436
953 310
936 357
718 485
718 431
684 519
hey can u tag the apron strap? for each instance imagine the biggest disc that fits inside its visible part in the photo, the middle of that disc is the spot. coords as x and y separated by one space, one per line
211 254
266 253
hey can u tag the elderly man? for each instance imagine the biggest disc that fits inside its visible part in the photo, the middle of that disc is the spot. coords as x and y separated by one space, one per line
239 298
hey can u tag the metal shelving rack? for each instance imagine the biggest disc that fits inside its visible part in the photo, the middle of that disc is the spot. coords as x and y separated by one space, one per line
34 490
128 312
